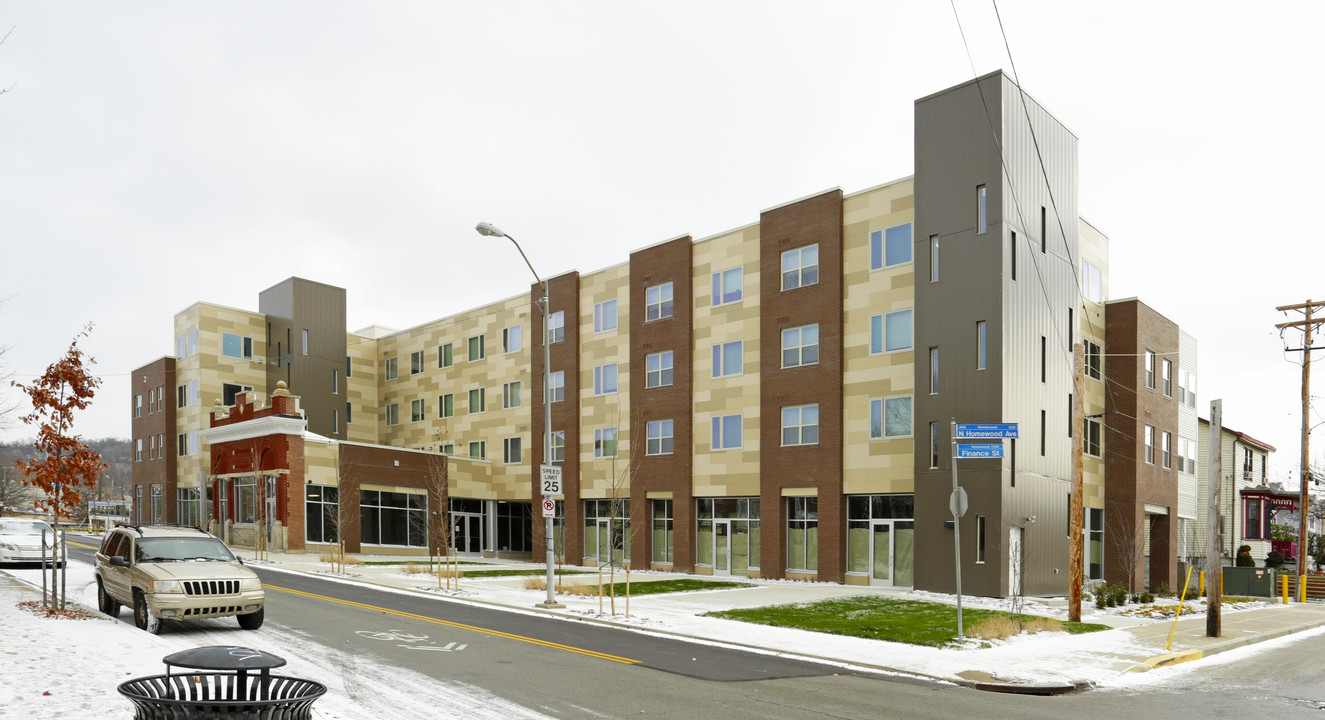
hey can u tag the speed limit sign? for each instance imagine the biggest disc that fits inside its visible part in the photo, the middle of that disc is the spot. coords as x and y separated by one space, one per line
549 507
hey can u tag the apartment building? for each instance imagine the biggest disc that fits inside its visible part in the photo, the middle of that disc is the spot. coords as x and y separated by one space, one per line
772 401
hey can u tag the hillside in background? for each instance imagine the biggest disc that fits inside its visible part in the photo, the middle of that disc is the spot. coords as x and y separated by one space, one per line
116 481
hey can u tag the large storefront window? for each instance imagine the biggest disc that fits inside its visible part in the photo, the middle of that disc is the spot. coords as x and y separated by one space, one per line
662 531
188 504
727 534
393 518
881 538
246 499
607 530
513 527
803 533
322 513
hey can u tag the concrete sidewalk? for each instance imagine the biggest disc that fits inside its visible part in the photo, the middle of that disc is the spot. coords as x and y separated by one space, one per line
1032 664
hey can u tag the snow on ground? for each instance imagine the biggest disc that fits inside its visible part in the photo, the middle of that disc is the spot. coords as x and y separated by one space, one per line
62 668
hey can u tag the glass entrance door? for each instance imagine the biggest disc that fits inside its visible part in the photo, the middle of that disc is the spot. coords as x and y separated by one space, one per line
722 548
468 535
892 553
881 566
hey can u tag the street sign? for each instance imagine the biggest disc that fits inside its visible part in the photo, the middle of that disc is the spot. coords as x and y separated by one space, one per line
980 450
957 502
551 479
549 507
975 430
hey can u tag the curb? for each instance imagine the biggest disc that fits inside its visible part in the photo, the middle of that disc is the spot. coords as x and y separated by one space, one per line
1215 648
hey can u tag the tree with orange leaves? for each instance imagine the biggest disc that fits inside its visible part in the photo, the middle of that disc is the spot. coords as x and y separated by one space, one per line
64 466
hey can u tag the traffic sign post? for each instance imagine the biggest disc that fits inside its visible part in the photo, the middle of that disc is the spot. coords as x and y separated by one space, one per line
980 450
957 501
550 479
549 508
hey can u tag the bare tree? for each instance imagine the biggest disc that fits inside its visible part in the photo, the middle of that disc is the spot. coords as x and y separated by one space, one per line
1129 547
337 520
621 474
441 539
13 491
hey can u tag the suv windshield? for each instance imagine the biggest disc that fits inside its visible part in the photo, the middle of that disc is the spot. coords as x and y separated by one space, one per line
177 548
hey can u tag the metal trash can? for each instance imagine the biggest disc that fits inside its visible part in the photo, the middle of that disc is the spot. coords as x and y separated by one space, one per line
229 692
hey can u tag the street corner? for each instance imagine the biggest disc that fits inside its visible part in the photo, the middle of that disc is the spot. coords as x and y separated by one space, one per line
1167 660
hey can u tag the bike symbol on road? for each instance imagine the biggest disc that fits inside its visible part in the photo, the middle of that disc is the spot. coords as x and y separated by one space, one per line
406 640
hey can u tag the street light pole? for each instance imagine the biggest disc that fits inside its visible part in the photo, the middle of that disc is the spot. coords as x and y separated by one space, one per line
490 230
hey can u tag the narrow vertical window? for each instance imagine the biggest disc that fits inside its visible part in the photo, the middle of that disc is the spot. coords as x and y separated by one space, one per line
981 210
1044 357
933 445
981 348
979 538
1012 254
1044 231
305 342
934 258
1071 331
933 371
1071 413
1043 430
335 382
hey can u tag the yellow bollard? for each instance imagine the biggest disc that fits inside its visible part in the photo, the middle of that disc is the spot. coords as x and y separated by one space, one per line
1202 582
1301 588
1283 584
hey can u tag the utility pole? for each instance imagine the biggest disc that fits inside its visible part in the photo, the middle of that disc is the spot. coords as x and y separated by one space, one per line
1213 564
1307 325
1074 563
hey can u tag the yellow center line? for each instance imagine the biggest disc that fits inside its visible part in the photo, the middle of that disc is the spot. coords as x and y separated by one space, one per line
79 544
448 623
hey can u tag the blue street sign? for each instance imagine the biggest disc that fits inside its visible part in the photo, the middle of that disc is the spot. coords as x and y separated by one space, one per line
980 450
972 430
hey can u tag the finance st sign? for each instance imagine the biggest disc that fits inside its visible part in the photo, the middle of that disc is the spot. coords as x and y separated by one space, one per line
980 450
993 430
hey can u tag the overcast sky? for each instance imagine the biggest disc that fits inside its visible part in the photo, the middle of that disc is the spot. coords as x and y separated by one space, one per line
153 154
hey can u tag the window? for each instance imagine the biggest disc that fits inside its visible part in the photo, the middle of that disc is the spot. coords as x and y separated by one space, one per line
727 432
890 247
727 286
981 345
1093 430
727 358
981 210
476 351
933 445
1150 445
321 506
161 443
478 400
335 382
933 371
890 417
236 346
392 414
803 533
1044 359
658 369
138 450
658 437
349 367
416 362
556 327
1166 448
510 395
1257 523
1043 431
979 539
416 410
349 413
1166 375
230 392
478 449
800 425
392 368
800 267
1044 230
445 355
186 345
393 518
181 396
604 442
933 258
557 386
604 316
445 405
604 379
662 531
658 302
138 405
151 446
1012 255
335 421
303 336
1094 361
1092 282
1071 332
558 453
800 346
510 339
182 444
1150 370
511 451
890 332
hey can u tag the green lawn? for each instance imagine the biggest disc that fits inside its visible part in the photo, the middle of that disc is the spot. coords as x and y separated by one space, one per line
658 587
870 616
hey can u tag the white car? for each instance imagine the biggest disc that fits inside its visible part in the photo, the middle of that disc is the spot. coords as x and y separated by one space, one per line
20 540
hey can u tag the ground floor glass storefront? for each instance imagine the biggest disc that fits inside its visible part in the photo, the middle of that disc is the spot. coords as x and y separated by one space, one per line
727 539
607 530
881 538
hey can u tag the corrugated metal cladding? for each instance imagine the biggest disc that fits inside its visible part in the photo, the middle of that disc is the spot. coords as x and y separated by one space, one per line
293 306
1027 376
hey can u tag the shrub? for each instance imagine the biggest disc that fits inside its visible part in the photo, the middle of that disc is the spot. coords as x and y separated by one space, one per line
1100 600
1274 559
1244 557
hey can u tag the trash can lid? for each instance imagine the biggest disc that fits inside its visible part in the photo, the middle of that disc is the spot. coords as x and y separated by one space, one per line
224 657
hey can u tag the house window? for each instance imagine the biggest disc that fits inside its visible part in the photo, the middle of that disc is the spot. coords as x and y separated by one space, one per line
800 346
1256 516
151 446
445 355
890 247
727 358
1092 282
803 533
1150 370
392 368
800 425
557 385
236 346
476 350
1166 375
933 371
604 379
933 258
604 316
138 405
478 449
478 400
392 414
510 395
727 286
416 410
658 302
556 327
727 432
658 437
800 267
416 362
558 453
510 339
658 369
1166 448
981 210
446 405
890 417
1150 444
1094 361
303 336
1093 431
604 442
138 450
890 332
511 450
981 346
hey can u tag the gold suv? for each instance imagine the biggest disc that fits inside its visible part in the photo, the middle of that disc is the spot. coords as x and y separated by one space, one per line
168 572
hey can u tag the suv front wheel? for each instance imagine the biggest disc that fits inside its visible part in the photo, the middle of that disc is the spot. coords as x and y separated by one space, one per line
142 616
252 621
106 602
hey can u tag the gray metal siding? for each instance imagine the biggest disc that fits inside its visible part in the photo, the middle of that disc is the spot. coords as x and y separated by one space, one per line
291 307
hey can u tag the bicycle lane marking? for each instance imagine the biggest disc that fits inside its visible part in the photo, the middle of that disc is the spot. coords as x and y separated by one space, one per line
448 623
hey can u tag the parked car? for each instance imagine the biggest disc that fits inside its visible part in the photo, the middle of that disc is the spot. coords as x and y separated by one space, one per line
169 572
20 540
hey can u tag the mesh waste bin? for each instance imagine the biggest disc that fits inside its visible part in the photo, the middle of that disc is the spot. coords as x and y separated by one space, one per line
228 691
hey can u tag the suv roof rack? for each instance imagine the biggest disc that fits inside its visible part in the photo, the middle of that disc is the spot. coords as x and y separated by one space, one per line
139 528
